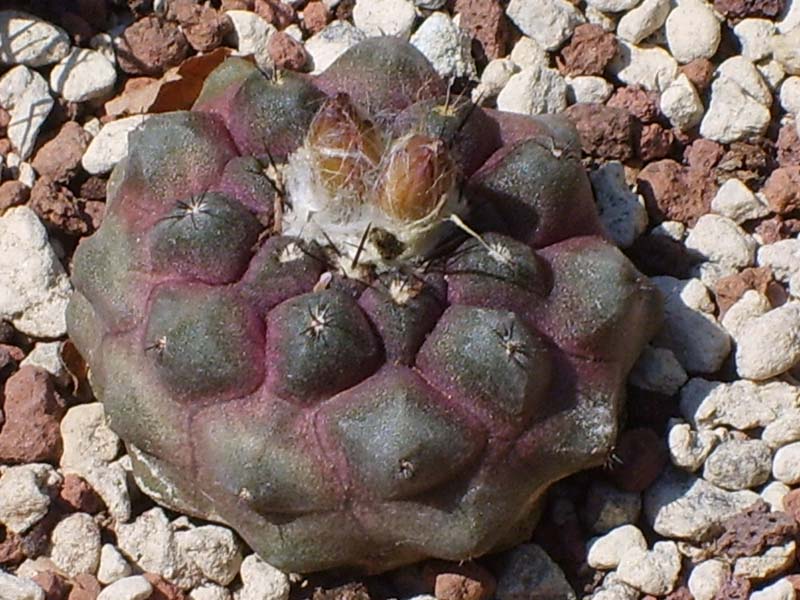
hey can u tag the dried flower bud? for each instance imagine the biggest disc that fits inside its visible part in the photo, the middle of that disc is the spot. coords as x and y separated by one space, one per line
418 172
345 145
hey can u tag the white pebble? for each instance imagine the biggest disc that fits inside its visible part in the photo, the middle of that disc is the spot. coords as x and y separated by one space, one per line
773 494
693 31
34 289
783 257
250 35
534 90
681 103
651 571
113 565
775 560
19 588
719 239
129 588
769 345
751 305
494 77
47 356
528 53
210 591
643 20
780 590
213 549
754 36
75 544
87 437
385 17
83 75
786 49
612 6
772 72
688 449
588 89
707 578
28 40
110 145
26 96
446 46
606 21
327 45
744 73
262 581
786 464
622 212
652 68
735 201
605 552
783 431
549 22
733 114
790 95
25 492
690 330
738 464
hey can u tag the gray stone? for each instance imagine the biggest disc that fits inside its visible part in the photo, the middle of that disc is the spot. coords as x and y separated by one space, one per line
738 464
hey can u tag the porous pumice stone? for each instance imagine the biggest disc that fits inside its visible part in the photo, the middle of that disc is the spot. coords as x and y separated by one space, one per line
361 321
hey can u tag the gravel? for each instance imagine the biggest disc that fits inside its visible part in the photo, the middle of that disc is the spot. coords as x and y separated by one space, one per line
680 129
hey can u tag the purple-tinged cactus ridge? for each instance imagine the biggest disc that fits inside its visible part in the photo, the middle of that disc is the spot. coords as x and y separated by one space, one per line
360 320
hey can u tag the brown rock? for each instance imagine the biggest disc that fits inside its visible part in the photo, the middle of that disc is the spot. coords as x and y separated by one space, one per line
10 356
791 504
94 188
163 589
286 52
606 132
33 411
703 154
11 553
589 51
641 457
140 7
682 593
739 9
782 190
5 119
54 585
655 142
279 13
468 581
795 581
747 161
60 158
736 588
755 529
84 587
676 193
641 103
729 289
77 495
700 72
150 46
486 22
55 204
13 193
202 25
788 145
315 16
236 5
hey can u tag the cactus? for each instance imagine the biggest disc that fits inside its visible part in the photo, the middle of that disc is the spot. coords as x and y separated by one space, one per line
360 320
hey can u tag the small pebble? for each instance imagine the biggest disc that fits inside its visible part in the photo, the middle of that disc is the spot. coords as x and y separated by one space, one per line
25 492
262 581
19 588
735 201
87 436
110 145
612 6
213 549
776 560
83 75
651 571
733 114
330 43
75 544
783 430
252 33
533 91
606 552
754 37
658 370
26 96
549 22
707 578
643 20
653 68
693 31
622 212
608 507
773 494
769 345
385 17
113 565
786 464
782 257
528 572
786 49
738 464
744 73
446 46
493 79
780 590
210 591
588 89
128 588
688 449
790 95
528 53
681 103
31 41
